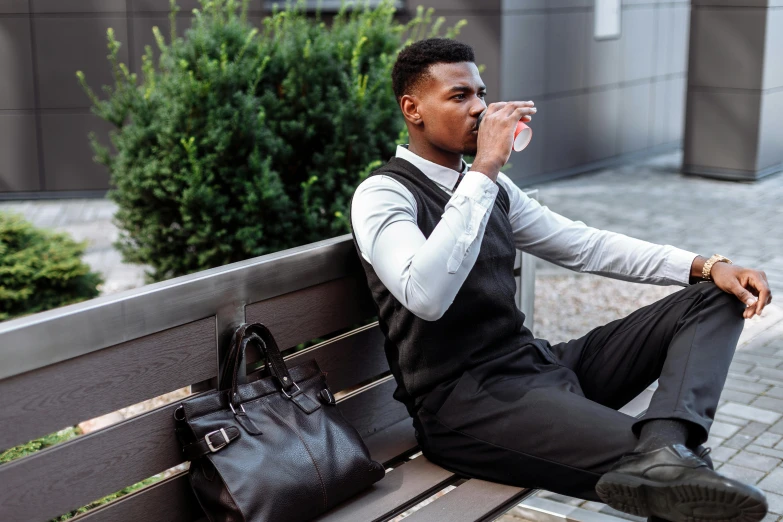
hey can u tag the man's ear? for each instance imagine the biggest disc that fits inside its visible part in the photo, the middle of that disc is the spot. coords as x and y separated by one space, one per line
410 109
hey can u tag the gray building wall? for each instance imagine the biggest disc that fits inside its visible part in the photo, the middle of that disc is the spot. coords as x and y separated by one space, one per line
598 100
44 113
734 127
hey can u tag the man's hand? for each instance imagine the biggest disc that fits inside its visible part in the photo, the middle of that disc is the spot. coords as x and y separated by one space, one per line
750 286
496 135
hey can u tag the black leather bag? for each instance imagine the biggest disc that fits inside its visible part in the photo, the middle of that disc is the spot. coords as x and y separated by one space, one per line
276 449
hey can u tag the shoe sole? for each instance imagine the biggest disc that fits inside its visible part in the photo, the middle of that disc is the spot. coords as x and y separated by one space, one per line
678 502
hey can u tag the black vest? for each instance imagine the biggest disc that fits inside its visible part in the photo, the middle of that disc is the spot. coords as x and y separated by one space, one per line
481 324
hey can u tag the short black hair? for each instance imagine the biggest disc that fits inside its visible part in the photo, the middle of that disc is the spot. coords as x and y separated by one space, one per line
413 62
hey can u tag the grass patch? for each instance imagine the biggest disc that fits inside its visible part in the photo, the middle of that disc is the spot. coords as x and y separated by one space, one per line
53 439
27 448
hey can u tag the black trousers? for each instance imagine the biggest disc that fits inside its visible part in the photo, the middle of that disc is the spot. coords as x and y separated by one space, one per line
546 416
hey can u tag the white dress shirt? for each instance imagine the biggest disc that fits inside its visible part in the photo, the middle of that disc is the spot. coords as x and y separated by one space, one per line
425 274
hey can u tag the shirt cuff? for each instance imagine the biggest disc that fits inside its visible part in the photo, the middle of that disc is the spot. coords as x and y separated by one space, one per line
478 187
474 199
678 266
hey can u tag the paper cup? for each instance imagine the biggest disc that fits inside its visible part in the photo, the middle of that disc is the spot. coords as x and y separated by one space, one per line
522 134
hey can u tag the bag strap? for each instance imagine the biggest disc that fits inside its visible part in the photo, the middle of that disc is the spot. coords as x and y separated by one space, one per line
266 342
212 442
259 335
227 378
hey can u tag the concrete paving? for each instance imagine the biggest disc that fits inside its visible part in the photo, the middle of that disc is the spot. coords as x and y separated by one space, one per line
746 437
652 200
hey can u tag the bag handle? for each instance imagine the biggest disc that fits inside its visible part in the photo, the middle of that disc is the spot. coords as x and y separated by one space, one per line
226 379
259 335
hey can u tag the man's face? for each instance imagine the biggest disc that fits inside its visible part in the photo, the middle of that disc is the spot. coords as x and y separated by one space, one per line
449 102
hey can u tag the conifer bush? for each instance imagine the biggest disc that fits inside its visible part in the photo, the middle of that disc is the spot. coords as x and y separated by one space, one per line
39 269
238 142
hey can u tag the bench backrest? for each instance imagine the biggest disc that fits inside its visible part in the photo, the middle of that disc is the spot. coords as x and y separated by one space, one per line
64 366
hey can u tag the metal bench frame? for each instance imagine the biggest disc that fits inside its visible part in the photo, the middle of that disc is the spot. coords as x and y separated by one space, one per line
64 366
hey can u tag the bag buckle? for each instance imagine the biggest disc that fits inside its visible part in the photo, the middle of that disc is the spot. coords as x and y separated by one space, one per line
223 444
298 389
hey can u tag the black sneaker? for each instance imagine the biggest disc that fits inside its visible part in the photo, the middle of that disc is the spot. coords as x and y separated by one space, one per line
674 484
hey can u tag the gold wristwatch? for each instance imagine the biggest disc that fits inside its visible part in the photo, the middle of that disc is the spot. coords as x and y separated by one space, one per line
716 258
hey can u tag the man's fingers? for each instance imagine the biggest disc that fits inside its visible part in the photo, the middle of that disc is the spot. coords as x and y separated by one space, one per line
526 110
749 311
510 106
522 103
769 295
756 286
511 110
744 295
764 294
522 112
501 104
494 107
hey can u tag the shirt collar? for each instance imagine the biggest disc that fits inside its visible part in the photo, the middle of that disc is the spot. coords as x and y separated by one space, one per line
443 176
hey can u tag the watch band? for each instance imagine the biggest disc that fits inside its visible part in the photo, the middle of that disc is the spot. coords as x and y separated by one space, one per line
707 269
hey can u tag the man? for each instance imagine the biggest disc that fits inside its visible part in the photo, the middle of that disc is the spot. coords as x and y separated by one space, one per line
437 240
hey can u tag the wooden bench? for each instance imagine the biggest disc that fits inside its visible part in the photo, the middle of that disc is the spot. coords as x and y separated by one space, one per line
64 366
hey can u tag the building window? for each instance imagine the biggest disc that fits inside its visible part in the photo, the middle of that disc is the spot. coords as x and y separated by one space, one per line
607 19
329 6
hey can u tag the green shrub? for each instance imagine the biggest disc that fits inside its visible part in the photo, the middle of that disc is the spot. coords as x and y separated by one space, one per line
27 448
108 498
239 142
39 269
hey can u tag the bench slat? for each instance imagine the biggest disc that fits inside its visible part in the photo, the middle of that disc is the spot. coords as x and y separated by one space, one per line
372 408
43 401
472 500
108 460
162 501
349 359
401 488
315 311
393 441
37 340
77 472
171 500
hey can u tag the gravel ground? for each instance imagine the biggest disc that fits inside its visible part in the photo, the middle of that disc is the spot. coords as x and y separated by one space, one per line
569 306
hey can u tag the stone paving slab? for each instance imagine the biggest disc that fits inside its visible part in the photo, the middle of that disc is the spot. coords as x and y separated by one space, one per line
746 437
652 200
